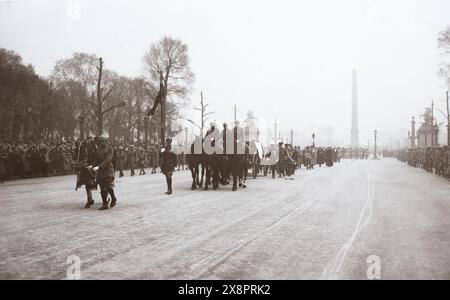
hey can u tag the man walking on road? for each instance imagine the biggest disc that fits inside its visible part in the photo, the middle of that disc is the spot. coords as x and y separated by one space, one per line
105 171
168 164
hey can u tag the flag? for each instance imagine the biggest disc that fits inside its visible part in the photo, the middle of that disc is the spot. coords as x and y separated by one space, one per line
158 100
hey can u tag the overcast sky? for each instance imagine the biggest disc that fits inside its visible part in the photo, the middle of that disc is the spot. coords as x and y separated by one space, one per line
287 59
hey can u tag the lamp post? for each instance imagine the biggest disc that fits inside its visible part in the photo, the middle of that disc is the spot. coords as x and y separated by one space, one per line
432 124
436 134
375 133
314 140
413 133
409 140
292 138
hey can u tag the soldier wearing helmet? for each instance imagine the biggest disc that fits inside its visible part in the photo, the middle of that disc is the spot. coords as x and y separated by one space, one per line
168 161
105 171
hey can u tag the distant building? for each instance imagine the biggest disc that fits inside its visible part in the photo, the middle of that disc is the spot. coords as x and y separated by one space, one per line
426 131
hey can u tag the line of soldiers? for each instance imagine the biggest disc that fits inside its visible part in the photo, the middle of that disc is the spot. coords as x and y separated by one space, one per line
432 159
355 153
292 158
134 157
54 157
131 157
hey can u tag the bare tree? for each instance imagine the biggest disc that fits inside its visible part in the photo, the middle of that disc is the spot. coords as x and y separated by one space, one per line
203 109
80 69
444 46
444 71
167 63
98 105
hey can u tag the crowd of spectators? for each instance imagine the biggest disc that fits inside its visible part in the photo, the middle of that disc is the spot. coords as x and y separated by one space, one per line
41 159
54 157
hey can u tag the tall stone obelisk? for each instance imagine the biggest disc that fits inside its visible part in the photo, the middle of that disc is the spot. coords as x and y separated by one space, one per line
355 126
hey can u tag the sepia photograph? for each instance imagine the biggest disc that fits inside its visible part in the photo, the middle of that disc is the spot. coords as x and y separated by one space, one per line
224 145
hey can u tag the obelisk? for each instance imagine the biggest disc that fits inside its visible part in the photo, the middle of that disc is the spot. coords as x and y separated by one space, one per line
355 127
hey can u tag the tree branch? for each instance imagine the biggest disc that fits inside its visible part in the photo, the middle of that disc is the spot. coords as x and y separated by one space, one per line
92 104
113 107
192 122
107 95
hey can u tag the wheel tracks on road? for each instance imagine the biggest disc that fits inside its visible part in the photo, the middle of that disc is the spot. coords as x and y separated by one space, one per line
298 209
334 266
207 266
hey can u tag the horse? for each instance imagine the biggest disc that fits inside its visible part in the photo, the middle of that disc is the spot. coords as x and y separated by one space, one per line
213 162
238 164
246 163
195 160
214 165
217 167
85 156
210 165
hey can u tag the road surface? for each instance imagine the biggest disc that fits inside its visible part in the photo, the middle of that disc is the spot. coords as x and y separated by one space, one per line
357 219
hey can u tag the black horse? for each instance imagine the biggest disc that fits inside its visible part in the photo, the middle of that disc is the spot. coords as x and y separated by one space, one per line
238 164
217 167
84 154
195 162
214 164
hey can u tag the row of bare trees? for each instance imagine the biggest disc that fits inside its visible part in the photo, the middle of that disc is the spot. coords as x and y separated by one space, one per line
444 71
444 47
82 96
